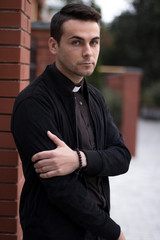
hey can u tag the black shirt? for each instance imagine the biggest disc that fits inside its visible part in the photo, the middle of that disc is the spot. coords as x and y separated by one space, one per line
85 126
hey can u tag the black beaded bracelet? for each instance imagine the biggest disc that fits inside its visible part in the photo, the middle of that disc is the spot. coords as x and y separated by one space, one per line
80 161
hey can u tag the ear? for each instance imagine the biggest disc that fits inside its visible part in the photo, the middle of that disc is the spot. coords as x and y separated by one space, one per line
53 45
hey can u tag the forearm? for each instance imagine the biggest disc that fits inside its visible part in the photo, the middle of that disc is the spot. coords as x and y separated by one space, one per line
70 196
109 162
111 156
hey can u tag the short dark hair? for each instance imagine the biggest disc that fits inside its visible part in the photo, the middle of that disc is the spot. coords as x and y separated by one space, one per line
72 11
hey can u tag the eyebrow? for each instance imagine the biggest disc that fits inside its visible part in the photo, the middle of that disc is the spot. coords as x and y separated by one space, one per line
80 38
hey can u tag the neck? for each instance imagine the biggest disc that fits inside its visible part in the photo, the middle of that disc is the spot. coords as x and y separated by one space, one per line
73 77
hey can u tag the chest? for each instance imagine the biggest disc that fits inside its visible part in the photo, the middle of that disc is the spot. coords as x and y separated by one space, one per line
69 122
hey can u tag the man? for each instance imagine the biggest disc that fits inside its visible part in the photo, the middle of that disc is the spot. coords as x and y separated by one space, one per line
67 140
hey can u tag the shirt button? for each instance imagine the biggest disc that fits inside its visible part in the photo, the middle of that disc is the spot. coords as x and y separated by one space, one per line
80 103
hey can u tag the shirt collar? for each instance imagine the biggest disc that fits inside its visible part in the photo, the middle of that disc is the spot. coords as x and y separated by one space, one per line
76 89
71 86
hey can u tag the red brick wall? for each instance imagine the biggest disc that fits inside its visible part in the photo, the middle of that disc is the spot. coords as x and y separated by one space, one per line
14 76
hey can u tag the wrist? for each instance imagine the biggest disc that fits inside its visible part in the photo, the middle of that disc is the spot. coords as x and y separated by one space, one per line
81 160
84 160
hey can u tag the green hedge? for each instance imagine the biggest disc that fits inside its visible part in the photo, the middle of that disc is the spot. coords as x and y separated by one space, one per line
151 96
114 103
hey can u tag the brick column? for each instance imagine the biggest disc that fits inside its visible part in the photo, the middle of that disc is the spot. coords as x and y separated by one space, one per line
131 97
128 83
40 33
14 76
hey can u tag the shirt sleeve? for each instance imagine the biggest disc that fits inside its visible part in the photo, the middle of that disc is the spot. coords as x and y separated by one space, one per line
112 157
30 122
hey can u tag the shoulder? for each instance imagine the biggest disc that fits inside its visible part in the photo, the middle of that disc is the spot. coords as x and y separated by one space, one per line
36 92
96 94
93 90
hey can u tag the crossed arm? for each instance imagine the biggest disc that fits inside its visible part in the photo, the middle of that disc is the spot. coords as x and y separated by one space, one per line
58 162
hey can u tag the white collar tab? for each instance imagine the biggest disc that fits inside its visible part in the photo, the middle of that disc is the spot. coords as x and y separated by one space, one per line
76 89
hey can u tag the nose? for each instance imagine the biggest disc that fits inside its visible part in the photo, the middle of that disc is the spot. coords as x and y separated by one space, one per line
87 51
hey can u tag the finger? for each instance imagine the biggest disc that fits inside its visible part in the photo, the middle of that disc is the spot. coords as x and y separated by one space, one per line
55 139
50 174
42 155
44 169
43 163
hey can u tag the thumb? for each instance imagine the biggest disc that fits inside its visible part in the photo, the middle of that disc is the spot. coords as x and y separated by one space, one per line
55 139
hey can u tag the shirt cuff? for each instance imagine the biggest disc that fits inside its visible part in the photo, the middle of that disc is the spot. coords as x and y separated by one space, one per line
94 162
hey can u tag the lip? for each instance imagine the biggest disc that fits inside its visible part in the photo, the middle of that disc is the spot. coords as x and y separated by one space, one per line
86 63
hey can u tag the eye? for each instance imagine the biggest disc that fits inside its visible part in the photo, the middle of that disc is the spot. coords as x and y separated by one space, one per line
76 42
94 42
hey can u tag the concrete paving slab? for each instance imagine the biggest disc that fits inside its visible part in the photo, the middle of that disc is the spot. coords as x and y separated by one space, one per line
135 196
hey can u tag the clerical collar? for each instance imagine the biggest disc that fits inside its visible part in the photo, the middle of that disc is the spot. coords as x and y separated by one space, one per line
76 89
71 86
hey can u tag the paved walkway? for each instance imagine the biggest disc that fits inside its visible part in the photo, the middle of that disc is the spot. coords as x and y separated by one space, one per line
135 196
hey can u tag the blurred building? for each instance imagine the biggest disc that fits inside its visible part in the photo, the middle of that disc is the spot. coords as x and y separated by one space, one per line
36 9
43 10
53 7
41 14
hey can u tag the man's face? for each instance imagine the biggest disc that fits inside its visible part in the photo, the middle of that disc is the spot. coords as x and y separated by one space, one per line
78 50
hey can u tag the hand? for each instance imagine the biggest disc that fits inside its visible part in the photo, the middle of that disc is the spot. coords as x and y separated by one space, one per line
121 237
58 162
